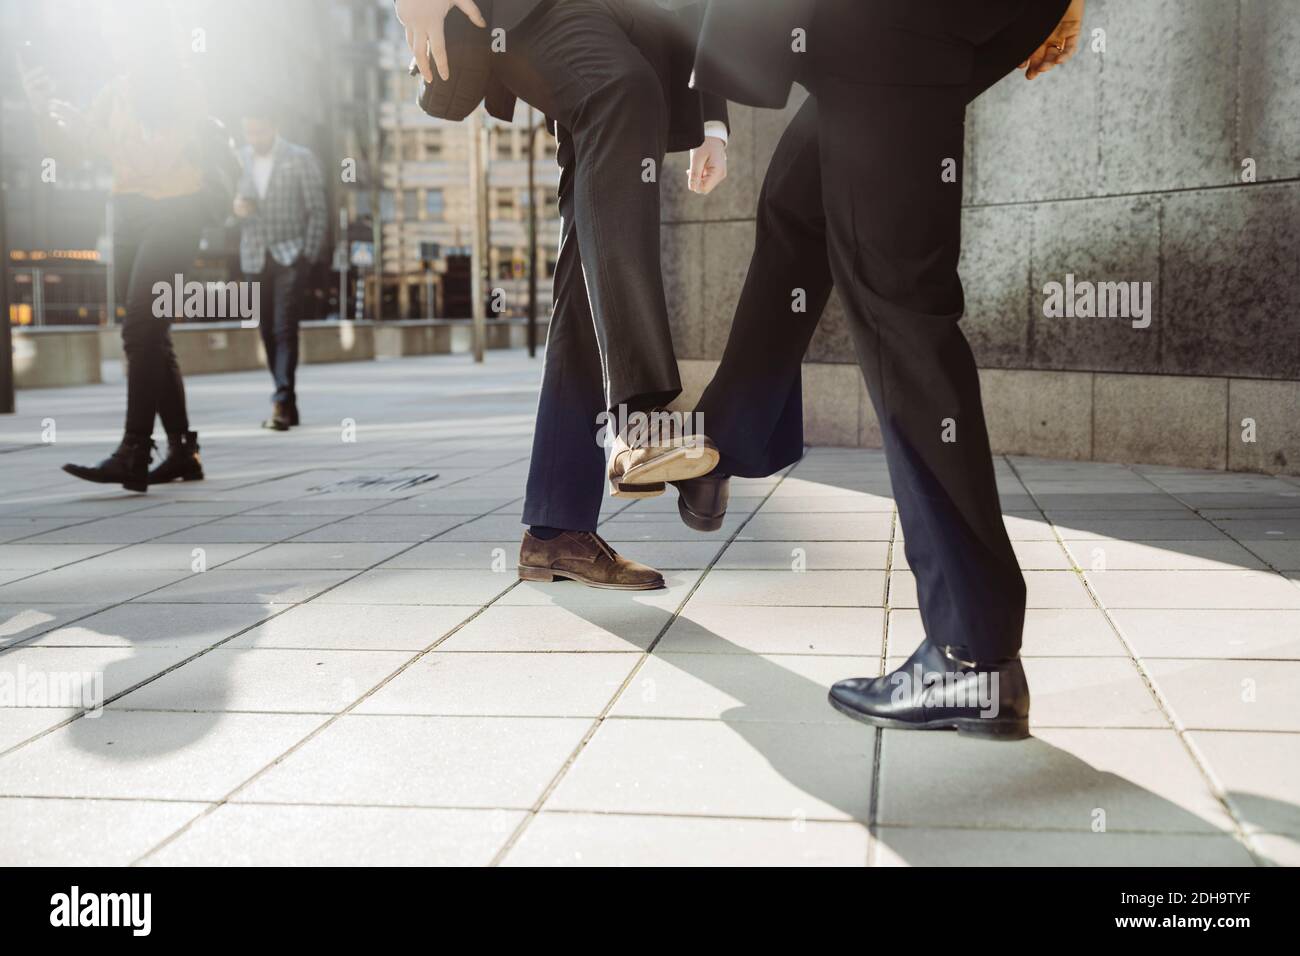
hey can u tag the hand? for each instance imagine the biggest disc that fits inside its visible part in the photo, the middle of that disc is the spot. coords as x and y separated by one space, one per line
424 20
244 208
1060 46
708 165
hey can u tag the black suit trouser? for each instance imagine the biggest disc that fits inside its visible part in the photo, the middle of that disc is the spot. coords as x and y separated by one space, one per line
609 342
854 199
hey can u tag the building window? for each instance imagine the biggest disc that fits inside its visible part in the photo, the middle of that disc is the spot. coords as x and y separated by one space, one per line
387 206
435 204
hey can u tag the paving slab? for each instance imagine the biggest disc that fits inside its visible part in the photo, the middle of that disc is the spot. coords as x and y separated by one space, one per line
334 663
607 839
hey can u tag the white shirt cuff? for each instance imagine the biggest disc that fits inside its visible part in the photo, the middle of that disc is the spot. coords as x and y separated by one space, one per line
716 128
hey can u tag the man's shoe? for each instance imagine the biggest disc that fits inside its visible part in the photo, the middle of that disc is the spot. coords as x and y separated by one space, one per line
279 420
128 466
702 502
940 688
293 413
583 556
182 461
655 452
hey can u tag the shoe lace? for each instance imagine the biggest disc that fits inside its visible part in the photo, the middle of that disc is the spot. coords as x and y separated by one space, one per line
602 545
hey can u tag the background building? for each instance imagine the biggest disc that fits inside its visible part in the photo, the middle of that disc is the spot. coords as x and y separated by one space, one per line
335 71
425 202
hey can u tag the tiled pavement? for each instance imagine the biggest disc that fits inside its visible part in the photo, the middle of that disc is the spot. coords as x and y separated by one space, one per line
322 655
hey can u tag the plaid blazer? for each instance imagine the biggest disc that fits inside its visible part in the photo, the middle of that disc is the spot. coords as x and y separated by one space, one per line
292 221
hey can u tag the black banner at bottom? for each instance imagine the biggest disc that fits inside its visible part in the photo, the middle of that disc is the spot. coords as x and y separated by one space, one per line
330 905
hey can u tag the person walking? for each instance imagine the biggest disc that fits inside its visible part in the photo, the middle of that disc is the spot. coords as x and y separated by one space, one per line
151 125
281 206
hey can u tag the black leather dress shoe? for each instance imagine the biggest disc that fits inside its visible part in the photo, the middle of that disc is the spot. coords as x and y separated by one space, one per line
702 501
940 688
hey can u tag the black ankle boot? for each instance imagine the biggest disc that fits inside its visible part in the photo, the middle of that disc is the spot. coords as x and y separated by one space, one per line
941 688
128 466
182 460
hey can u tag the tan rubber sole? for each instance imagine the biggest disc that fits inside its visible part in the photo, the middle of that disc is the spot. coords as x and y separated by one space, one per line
547 575
680 464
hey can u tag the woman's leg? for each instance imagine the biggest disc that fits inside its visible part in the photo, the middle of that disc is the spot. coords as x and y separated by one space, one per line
168 242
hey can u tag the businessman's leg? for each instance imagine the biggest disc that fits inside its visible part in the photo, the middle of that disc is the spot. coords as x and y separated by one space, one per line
894 250
610 347
566 475
894 236
753 408
288 285
578 65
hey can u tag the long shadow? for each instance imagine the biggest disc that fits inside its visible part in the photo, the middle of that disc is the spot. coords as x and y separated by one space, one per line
943 776
101 729
118 678
928 781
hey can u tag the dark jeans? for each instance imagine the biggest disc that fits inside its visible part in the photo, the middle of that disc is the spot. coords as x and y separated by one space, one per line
281 306
854 199
609 341
154 240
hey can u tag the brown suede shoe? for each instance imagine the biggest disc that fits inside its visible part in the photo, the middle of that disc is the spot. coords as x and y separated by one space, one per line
583 556
658 451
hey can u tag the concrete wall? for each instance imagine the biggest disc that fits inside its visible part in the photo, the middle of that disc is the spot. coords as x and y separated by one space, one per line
49 358
1125 165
